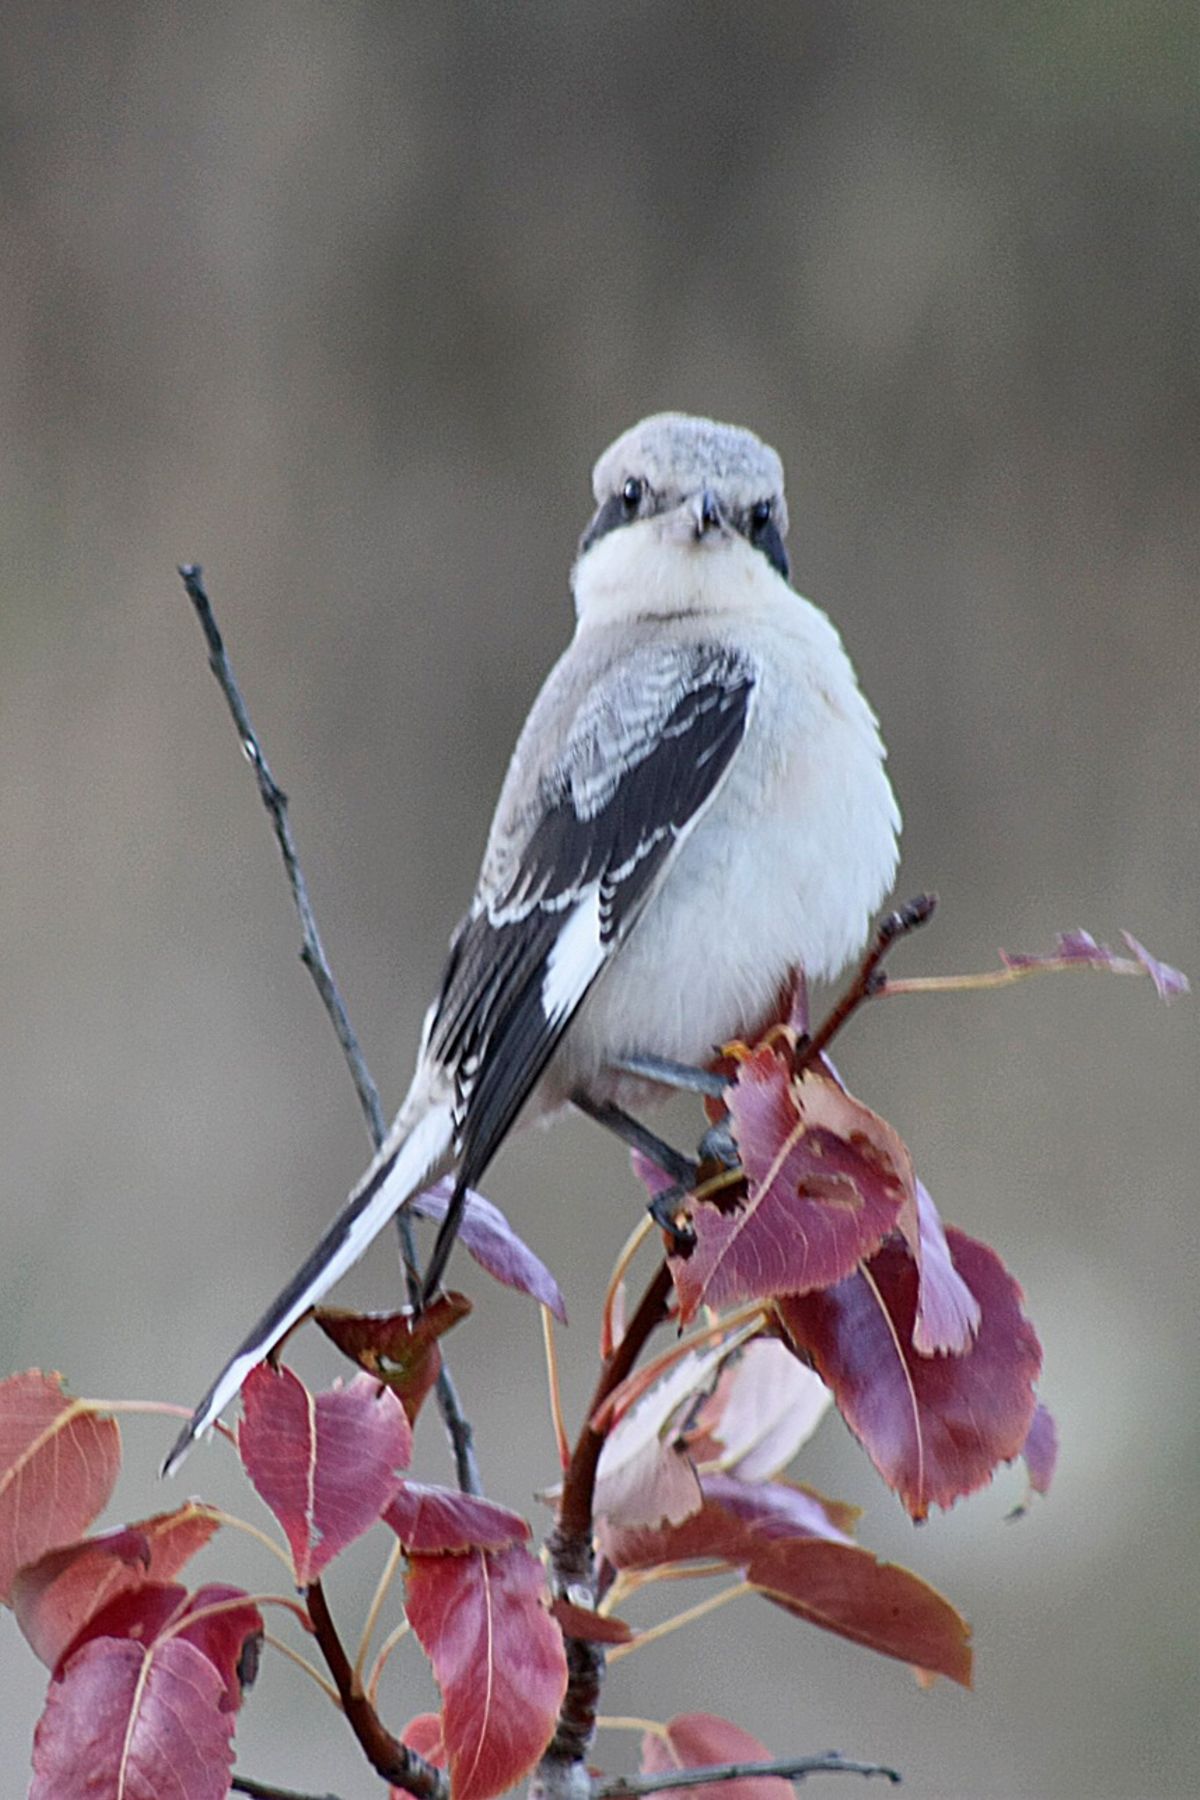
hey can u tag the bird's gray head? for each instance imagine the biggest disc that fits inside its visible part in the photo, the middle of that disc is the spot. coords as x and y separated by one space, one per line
703 480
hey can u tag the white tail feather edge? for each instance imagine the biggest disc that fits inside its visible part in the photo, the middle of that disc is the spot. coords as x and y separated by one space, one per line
412 1161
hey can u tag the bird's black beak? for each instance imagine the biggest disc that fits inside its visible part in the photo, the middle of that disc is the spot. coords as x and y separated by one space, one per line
706 511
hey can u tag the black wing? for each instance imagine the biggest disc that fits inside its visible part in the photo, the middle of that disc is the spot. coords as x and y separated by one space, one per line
627 792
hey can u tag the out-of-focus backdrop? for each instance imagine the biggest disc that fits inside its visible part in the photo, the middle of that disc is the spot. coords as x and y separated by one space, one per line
343 301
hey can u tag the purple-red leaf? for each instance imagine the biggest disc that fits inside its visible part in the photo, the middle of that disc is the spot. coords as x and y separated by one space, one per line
436 1521
55 1597
699 1740
842 1588
737 1519
1169 983
935 1427
396 1347
424 1735
592 1627
827 1181
128 1721
495 1245
498 1658
326 1464
225 1624
59 1460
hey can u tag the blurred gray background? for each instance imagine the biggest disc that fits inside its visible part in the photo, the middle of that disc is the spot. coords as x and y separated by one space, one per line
343 301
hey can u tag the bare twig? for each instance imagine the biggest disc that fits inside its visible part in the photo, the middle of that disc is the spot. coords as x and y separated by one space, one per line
562 1770
870 980
391 1759
263 1790
792 1768
313 956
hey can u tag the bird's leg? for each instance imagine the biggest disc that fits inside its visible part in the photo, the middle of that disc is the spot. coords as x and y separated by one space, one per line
680 1168
670 1074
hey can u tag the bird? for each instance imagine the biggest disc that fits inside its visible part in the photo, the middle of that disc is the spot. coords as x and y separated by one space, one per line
697 808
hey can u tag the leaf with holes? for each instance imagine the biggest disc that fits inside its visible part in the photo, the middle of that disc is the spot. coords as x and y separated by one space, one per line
699 1740
498 1659
326 1464
55 1597
59 1460
827 1180
936 1427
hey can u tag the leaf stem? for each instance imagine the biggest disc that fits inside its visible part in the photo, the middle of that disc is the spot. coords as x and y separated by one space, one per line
302 1662
380 1595
552 1383
687 1617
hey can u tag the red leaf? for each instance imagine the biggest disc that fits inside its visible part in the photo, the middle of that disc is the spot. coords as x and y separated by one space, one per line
134 1722
935 1427
736 1520
843 1589
827 1181
396 1347
55 1597
697 1740
424 1735
495 1245
224 1623
325 1464
58 1465
498 1658
436 1521
592 1627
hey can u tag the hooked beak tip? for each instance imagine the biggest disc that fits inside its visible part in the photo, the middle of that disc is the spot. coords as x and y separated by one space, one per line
707 512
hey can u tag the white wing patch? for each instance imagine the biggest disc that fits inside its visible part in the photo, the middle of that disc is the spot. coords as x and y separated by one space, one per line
576 958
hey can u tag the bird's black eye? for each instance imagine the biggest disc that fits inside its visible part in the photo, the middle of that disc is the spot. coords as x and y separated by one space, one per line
631 495
760 515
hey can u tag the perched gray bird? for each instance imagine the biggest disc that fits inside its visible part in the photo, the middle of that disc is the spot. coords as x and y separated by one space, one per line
696 807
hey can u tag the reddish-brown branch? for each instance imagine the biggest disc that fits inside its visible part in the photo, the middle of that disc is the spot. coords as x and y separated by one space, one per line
869 980
391 1759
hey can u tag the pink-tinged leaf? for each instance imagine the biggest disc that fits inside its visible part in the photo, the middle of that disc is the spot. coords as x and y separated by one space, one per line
55 1597
936 1427
1169 983
224 1623
396 1347
1040 1456
737 1519
843 1589
436 1521
132 1722
326 1464
645 1474
700 1740
947 1311
764 1407
495 1246
498 1659
592 1627
59 1460
424 1735
827 1181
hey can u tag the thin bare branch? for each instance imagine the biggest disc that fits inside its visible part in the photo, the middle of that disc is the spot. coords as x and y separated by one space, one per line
793 1768
264 1790
313 956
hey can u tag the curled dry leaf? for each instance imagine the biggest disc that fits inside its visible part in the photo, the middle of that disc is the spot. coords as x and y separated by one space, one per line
765 1405
59 1460
936 1427
498 1659
397 1348
326 1464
